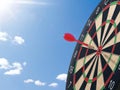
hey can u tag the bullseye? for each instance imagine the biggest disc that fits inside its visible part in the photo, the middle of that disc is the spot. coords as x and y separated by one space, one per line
99 50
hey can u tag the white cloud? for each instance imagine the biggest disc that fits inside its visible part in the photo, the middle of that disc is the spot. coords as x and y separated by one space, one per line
18 40
53 85
62 77
10 69
4 64
16 69
13 72
35 82
29 81
39 83
4 36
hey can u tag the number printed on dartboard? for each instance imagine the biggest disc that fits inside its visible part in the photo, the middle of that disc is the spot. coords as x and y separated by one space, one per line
111 85
106 1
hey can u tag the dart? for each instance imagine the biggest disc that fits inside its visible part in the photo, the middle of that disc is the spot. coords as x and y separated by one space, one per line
69 37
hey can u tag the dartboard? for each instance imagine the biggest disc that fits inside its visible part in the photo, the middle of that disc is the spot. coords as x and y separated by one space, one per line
95 64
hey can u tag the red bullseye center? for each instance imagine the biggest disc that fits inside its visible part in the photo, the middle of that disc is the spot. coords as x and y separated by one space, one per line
99 50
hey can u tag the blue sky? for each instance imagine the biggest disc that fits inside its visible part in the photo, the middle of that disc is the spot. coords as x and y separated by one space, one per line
33 53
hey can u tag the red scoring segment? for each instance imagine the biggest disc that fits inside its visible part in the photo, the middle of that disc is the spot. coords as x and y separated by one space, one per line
119 3
106 7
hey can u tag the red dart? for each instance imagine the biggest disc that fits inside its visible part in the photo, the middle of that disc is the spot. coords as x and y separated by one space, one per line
69 37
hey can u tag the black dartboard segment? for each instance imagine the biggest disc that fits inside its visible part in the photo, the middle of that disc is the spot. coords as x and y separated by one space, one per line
98 68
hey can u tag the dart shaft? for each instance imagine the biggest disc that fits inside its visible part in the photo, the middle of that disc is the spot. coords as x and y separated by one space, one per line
85 44
82 43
